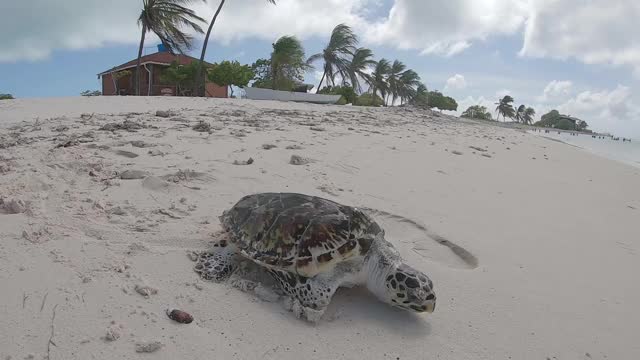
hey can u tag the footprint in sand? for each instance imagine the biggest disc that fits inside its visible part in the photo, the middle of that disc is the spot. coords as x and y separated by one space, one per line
411 236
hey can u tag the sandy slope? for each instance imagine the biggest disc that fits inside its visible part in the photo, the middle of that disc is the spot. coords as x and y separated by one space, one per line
555 230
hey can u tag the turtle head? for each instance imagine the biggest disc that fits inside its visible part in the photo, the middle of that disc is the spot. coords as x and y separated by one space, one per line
409 289
395 282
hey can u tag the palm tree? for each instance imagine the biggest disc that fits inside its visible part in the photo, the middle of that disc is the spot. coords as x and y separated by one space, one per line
164 18
393 79
336 55
409 84
529 113
378 79
358 66
287 63
519 115
505 107
206 40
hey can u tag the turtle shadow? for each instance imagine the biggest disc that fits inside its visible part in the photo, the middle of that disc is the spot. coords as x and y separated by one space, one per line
360 306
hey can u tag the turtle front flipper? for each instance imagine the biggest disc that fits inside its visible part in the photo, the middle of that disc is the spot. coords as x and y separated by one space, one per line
218 264
309 297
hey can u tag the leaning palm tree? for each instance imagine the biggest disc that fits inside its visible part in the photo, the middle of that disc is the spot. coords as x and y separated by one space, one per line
287 63
505 108
337 54
358 67
519 116
206 41
165 18
409 83
529 113
378 79
393 79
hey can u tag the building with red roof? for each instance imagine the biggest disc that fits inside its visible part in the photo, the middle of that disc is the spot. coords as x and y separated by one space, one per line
119 81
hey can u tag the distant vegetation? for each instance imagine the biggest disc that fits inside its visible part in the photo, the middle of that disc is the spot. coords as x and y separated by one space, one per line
6 97
89 93
477 112
347 69
434 99
230 73
553 119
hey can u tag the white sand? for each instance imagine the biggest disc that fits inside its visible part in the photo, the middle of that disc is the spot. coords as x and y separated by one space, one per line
556 232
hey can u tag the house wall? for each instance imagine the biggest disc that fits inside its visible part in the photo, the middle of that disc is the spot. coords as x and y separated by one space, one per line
217 91
107 85
126 84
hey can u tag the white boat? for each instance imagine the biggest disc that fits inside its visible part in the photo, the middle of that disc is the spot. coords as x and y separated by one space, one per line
268 94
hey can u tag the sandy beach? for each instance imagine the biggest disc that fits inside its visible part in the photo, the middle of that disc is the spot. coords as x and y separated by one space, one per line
100 198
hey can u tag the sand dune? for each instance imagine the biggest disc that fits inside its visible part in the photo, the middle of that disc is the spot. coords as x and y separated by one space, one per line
532 244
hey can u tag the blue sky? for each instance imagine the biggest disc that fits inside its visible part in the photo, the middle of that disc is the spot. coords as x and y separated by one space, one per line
480 48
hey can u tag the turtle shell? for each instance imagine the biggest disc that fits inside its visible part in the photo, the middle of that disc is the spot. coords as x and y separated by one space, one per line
299 233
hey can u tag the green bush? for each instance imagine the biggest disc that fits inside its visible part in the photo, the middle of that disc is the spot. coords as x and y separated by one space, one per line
347 92
342 101
6 97
565 124
368 100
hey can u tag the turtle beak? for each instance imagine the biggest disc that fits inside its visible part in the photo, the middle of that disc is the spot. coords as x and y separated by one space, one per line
430 307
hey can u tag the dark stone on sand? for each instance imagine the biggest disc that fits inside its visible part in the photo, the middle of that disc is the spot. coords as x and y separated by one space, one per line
202 127
298 160
248 162
164 114
127 154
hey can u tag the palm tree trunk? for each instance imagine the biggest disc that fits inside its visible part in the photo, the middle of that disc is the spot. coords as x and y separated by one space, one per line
196 91
144 30
321 80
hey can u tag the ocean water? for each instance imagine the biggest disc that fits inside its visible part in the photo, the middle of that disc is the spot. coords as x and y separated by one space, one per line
626 152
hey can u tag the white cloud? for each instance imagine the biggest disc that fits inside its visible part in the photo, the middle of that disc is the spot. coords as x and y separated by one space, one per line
32 29
447 27
605 110
456 82
556 89
593 32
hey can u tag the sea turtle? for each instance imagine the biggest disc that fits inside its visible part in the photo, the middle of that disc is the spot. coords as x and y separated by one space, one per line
312 246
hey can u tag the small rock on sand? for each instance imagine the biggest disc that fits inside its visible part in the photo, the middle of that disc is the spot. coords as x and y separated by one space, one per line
145 290
148 347
140 144
114 332
317 128
155 152
202 127
243 162
456 152
268 146
133 174
294 147
179 316
12 206
298 160
127 154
